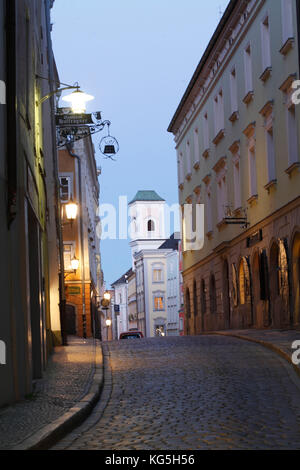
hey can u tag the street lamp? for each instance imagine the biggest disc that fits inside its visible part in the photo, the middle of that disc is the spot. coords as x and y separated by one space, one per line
78 100
71 210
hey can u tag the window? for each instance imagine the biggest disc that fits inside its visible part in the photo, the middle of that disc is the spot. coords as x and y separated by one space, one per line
234 286
287 20
203 297
196 147
157 275
221 170
188 159
208 208
219 112
65 188
248 70
69 252
180 168
205 132
292 135
158 302
244 282
250 134
213 295
151 226
265 44
233 91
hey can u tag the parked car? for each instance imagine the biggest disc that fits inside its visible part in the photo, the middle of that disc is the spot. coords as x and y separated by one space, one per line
134 334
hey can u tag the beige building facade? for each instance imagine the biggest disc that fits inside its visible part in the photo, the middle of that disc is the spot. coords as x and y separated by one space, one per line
238 144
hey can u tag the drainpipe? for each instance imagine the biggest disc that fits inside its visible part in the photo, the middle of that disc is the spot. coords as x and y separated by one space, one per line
298 30
69 148
11 159
62 297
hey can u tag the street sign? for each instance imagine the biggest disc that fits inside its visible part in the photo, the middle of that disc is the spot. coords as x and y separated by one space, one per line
73 119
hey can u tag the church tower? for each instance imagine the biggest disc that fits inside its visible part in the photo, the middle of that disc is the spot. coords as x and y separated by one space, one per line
147 226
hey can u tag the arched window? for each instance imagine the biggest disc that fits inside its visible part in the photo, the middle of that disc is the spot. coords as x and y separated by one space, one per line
244 282
234 286
212 294
151 226
195 298
203 297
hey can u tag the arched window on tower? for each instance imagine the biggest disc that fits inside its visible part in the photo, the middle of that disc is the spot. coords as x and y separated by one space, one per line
151 226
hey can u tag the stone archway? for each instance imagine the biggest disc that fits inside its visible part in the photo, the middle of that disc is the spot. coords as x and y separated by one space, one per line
187 312
296 278
226 294
279 285
195 305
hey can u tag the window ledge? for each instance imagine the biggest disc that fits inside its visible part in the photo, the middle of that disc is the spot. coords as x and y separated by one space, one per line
287 46
188 177
221 224
197 166
205 154
219 137
234 116
295 166
181 186
252 199
249 97
270 185
266 74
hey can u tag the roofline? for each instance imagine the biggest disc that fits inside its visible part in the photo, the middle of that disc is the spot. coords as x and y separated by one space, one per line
203 60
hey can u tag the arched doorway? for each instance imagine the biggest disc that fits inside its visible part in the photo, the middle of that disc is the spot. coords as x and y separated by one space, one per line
195 305
245 294
279 285
203 304
226 296
188 311
71 319
212 295
296 278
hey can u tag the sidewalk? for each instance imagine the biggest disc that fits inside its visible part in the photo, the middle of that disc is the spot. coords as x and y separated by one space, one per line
279 341
62 399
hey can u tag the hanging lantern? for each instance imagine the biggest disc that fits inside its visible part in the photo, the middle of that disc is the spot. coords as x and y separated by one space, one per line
78 100
109 145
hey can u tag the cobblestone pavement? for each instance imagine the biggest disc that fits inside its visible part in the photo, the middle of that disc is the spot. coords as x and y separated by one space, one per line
66 381
189 393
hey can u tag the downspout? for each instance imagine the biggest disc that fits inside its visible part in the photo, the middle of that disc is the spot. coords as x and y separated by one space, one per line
62 297
69 148
298 31
11 94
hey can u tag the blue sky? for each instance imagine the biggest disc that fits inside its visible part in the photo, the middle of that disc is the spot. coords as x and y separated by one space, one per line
136 57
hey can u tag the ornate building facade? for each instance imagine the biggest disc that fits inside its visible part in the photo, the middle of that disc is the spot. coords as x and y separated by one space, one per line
238 149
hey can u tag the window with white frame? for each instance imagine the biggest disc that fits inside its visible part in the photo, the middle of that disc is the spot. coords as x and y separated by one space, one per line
188 158
196 147
219 112
252 166
292 135
270 147
235 150
205 132
65 188
265 44
248 69
208 208
69 252
159 301
287 20
180 168
157 274
221 190
233 91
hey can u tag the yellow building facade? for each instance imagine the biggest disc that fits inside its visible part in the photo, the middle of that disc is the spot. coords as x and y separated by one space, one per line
237 140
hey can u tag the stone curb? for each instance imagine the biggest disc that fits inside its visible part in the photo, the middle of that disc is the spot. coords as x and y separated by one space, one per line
51 433
266 344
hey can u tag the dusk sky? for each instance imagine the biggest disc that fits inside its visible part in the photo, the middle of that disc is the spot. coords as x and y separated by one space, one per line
137 58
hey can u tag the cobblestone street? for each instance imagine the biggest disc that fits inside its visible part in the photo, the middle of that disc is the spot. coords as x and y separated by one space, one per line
192 393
